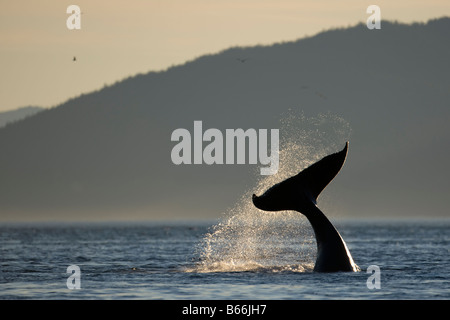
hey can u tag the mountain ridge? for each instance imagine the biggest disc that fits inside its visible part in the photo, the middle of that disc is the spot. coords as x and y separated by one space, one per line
10 116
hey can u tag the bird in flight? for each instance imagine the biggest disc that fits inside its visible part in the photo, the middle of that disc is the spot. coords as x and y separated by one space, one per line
74 58
241 60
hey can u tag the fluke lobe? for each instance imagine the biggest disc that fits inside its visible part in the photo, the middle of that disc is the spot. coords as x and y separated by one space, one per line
300 193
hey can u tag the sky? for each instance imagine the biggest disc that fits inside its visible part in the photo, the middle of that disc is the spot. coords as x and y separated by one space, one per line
119 39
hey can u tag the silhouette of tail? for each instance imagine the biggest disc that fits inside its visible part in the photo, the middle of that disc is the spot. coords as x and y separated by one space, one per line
299 191
319 175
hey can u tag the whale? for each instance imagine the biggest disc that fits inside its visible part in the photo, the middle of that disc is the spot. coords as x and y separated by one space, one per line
300 193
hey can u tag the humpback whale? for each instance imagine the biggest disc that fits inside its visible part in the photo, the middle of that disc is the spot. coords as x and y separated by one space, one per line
300 193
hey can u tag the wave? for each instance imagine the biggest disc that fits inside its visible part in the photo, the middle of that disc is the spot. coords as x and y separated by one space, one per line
247 266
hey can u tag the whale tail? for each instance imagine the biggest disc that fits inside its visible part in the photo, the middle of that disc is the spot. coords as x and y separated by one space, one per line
304 188
300 193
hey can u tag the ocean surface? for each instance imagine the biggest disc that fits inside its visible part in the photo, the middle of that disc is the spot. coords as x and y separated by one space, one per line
230 259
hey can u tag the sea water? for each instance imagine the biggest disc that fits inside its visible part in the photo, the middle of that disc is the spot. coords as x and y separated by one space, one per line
164 261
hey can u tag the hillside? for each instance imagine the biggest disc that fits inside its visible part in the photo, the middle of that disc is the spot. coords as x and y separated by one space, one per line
17 114
106 154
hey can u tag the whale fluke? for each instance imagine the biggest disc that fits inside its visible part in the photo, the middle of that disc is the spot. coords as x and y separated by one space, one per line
317 176
300 193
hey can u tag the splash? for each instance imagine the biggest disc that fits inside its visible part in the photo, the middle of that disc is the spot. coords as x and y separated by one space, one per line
248 239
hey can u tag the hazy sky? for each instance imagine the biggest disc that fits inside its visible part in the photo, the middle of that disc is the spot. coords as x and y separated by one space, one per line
121 38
